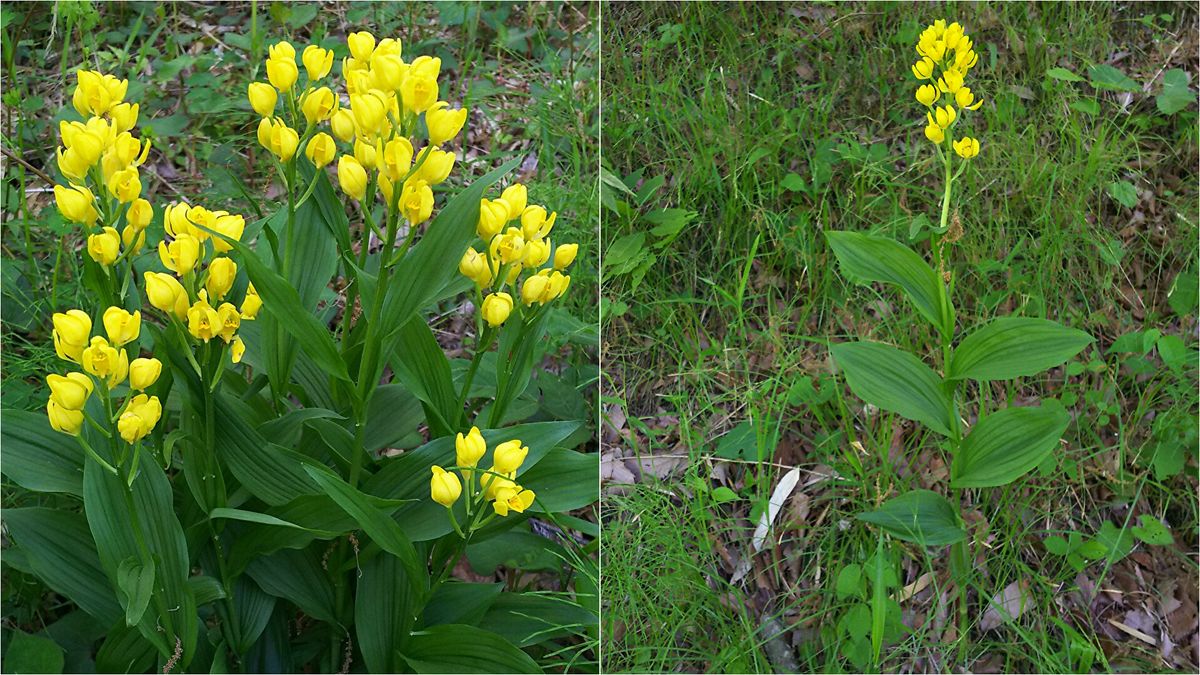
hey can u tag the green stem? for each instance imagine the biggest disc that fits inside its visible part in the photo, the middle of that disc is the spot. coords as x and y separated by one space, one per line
485 343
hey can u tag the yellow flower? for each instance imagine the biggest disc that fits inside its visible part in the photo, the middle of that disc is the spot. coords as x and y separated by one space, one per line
923 69
236 349
512 498
203 322
176 222
133 238
537 252
474 266
221 274
228 321
370 110
139 418
469 449
71 331
950 81
320 150
934 50
397 158
444 123
491 483
281 50
508 247
361 45
419 92
121 326
251 303
318 62
62 419
496 308
125 185
103 360
181 255
516 196
226 225
282 72
342 125
77 204
366 153
436 167
966 147
416 202
352 177
387 71
509 456
444 487
943 116
70 392
139 214
564 255
262 98
124 116
493 214
144 373
279 138
318 104
927 94
97 93
166 294
966 100
105 246
965 59
534 289
934 133
535 224
203 220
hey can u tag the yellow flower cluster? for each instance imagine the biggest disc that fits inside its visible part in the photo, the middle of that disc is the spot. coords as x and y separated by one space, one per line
100 156
192 242
497 484
508 250
105 361
947 55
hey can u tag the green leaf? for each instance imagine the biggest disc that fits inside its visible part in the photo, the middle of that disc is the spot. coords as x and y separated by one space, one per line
254 608
269 472
1064 75
849 582
1009 347
460 602
1007 444
1176 94
1185 292
63 555
455 648
1124 193
1104 76
866 258
37 457
919 516
124 651
563 480
296 576
32 654
383 612
895 380
1151 531
206 589
423 368
262 518
1087 106
526 619
624 254
135 582
394 414
793 183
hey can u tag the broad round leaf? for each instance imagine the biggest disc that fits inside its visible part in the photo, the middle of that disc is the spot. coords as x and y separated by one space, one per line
919 516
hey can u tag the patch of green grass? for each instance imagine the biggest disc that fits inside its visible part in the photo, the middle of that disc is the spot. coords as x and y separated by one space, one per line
774 123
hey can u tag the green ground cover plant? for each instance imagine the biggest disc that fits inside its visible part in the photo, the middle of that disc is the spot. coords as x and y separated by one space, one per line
757 133
251 452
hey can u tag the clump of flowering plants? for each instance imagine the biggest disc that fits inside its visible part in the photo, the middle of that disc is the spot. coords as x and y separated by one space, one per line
251 446
1007 439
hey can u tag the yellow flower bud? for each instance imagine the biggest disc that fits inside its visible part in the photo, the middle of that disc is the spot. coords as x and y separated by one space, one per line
559 283
176 222
492 483
226 225
203 322
71 332
469 449
444 487
418 93
496 308
475 267
397 158
537 252
534 289
251 303
139 418
493 214
105 246
133 238
143 373
262 98
342 125
281 50
125 185
361 44
282 72
512 498
282 140
352 177
564 255
923 69
320 150
966 147
139 214
370 110
366 153
124 116
965 58
416 202
70 392
77 204
96 93
927 94
934 133
221 274
318 104
953 34
228 321
387 71
165 293
236 349
264 132
535 224
436 167
121 326
181 255
443 123
62 419
516 196
317 62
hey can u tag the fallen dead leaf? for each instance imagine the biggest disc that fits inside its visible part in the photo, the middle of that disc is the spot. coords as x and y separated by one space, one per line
1128 630
915 587
1006 605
